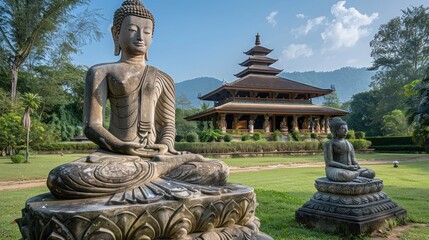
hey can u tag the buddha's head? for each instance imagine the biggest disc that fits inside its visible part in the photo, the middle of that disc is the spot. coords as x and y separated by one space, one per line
338 127
133 27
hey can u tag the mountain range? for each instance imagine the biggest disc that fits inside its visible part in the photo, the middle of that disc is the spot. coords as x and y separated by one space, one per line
347 82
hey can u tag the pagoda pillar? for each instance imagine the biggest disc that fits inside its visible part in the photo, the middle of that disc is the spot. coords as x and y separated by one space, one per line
327 128
311 124
251 123
322 125
222 122
295 126
267 123
317 121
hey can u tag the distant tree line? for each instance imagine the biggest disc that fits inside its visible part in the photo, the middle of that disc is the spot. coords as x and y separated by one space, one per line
400 52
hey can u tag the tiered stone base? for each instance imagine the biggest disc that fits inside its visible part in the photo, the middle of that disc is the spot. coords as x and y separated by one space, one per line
227 215
349 208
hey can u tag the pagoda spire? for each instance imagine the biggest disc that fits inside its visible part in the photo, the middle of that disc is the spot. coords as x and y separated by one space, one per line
258 40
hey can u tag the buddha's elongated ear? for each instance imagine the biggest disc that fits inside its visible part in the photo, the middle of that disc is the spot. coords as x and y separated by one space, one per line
146 56
115 36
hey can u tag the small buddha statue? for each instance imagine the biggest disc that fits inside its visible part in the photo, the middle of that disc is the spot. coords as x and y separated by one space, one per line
138 146
340 160
283 125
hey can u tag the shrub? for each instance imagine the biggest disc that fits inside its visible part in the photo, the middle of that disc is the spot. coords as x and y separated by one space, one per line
351 134
276 135
211 135
245 137
359 144
256 136
360 135
313 135
399 148
227 138
192 137
296 136
233 147
179 138
384 141
330 136
17 158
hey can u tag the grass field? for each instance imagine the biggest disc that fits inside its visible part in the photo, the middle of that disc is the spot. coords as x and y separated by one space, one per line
40 165
279 192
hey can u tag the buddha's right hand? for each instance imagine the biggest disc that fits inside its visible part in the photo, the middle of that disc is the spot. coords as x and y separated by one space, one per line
129 148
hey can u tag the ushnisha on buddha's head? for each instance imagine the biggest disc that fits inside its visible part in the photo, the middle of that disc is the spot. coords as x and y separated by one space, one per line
338 127
132 29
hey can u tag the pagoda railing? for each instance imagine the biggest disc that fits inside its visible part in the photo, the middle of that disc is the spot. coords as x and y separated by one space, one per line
265 100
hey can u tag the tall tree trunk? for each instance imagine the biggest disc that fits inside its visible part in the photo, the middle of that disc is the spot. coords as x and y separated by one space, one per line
14 80
27 144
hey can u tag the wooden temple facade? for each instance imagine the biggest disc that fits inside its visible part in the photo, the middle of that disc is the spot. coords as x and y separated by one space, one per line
259 100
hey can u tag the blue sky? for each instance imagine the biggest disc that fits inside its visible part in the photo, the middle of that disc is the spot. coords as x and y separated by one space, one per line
195 38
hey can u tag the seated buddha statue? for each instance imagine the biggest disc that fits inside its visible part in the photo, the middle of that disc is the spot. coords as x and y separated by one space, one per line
340 159
138 146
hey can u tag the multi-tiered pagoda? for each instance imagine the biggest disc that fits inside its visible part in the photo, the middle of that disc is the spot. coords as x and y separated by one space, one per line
259 100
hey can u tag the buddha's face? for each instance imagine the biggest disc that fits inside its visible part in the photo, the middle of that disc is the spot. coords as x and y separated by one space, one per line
135 35
342 131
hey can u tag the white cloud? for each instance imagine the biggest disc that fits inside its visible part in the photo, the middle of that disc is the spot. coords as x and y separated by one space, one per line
271 18
311 23
296 50
347 28
300 15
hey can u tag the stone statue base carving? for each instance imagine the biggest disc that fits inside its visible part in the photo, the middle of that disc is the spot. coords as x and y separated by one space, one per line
349 208
227 213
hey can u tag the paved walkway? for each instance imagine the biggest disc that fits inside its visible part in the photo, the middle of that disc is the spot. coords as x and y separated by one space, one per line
9 185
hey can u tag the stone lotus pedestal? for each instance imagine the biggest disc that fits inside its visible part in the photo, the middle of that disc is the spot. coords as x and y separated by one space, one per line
349 208
225 212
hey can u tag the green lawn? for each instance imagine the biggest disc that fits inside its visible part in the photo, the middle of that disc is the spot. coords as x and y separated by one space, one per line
263 161
280 192
40 165
37 168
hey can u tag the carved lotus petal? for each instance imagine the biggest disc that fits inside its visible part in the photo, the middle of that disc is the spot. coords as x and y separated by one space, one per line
102 228
56 230
248 208
145 227
77 225
124 220
181 223
209 219
230 214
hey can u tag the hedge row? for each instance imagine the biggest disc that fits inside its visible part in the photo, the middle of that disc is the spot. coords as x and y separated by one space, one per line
360 144
217 147
385 141
399 148
233 147
65 146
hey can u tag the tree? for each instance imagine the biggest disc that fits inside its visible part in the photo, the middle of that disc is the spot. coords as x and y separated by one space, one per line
31 102
44 31
400 50
395 124
332 100
362 115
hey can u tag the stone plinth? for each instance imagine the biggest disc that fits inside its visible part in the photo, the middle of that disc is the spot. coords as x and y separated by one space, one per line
226 214
349 208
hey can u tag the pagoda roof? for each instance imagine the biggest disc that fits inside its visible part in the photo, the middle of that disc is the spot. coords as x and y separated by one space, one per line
257 82
258 59
258 50
261 108
258 69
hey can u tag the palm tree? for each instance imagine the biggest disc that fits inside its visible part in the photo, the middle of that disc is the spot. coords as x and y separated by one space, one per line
31 102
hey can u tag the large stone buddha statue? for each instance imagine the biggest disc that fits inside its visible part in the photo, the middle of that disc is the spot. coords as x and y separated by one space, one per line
137 186
138 146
